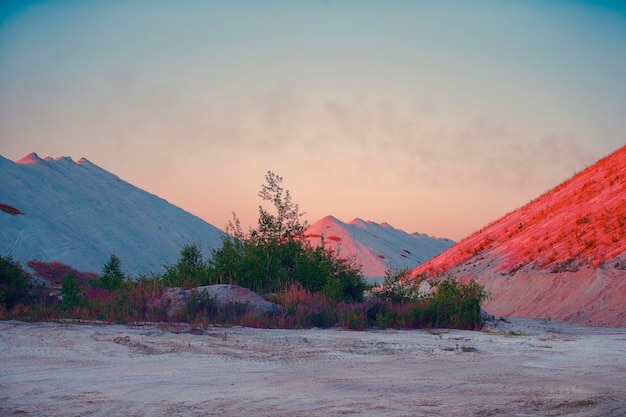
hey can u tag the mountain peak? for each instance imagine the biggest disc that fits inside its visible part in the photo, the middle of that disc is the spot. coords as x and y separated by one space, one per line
359 222
31 158
62 159
330 218
329 221
84 161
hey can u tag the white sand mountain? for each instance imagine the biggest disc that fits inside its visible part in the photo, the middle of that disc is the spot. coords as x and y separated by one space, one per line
377 247
79 214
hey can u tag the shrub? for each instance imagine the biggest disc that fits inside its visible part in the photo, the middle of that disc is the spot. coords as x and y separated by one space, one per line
112 276
55 271
14 283
450 304
456 305
189 271
352 318
70 291
396 288
304 308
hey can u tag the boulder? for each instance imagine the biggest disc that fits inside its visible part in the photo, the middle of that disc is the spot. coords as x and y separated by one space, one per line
175 299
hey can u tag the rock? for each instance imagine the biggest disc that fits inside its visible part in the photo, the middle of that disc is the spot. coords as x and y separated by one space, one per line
424 288
175 299
225 294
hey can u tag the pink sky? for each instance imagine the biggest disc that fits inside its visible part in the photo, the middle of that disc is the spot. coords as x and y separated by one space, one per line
434 117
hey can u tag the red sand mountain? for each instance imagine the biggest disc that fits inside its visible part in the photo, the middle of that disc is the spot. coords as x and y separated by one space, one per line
562 256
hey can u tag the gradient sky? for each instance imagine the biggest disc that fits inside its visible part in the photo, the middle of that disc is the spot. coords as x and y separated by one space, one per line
434 116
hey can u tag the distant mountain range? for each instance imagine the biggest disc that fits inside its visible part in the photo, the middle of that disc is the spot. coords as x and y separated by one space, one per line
377 247
76 213
561 256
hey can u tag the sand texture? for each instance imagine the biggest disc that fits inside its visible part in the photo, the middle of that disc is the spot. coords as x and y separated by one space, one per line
522 368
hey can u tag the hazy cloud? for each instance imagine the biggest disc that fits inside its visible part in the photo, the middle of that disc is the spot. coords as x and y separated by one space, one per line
415 142
419 142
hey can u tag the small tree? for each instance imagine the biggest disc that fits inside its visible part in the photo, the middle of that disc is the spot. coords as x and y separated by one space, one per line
346 278
70 292
190 269
14 283
285 224
191 261
227 262
112 276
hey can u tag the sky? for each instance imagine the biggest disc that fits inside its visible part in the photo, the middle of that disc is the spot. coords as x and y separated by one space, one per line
436 117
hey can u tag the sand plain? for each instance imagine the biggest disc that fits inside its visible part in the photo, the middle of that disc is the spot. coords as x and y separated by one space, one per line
521 368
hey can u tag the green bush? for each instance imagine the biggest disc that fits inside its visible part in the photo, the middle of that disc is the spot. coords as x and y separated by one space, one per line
396 288
353 318
112 276
449 304
456 305
189 271
70 291
14 283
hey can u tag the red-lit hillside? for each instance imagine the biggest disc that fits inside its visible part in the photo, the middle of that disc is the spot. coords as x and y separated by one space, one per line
562 255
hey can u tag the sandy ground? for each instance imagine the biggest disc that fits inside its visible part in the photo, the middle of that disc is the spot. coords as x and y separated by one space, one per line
524 368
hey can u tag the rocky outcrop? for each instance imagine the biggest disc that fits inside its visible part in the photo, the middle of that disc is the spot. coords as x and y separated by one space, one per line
175 299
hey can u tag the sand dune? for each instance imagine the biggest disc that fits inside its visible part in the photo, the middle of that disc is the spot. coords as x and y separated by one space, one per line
522 368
